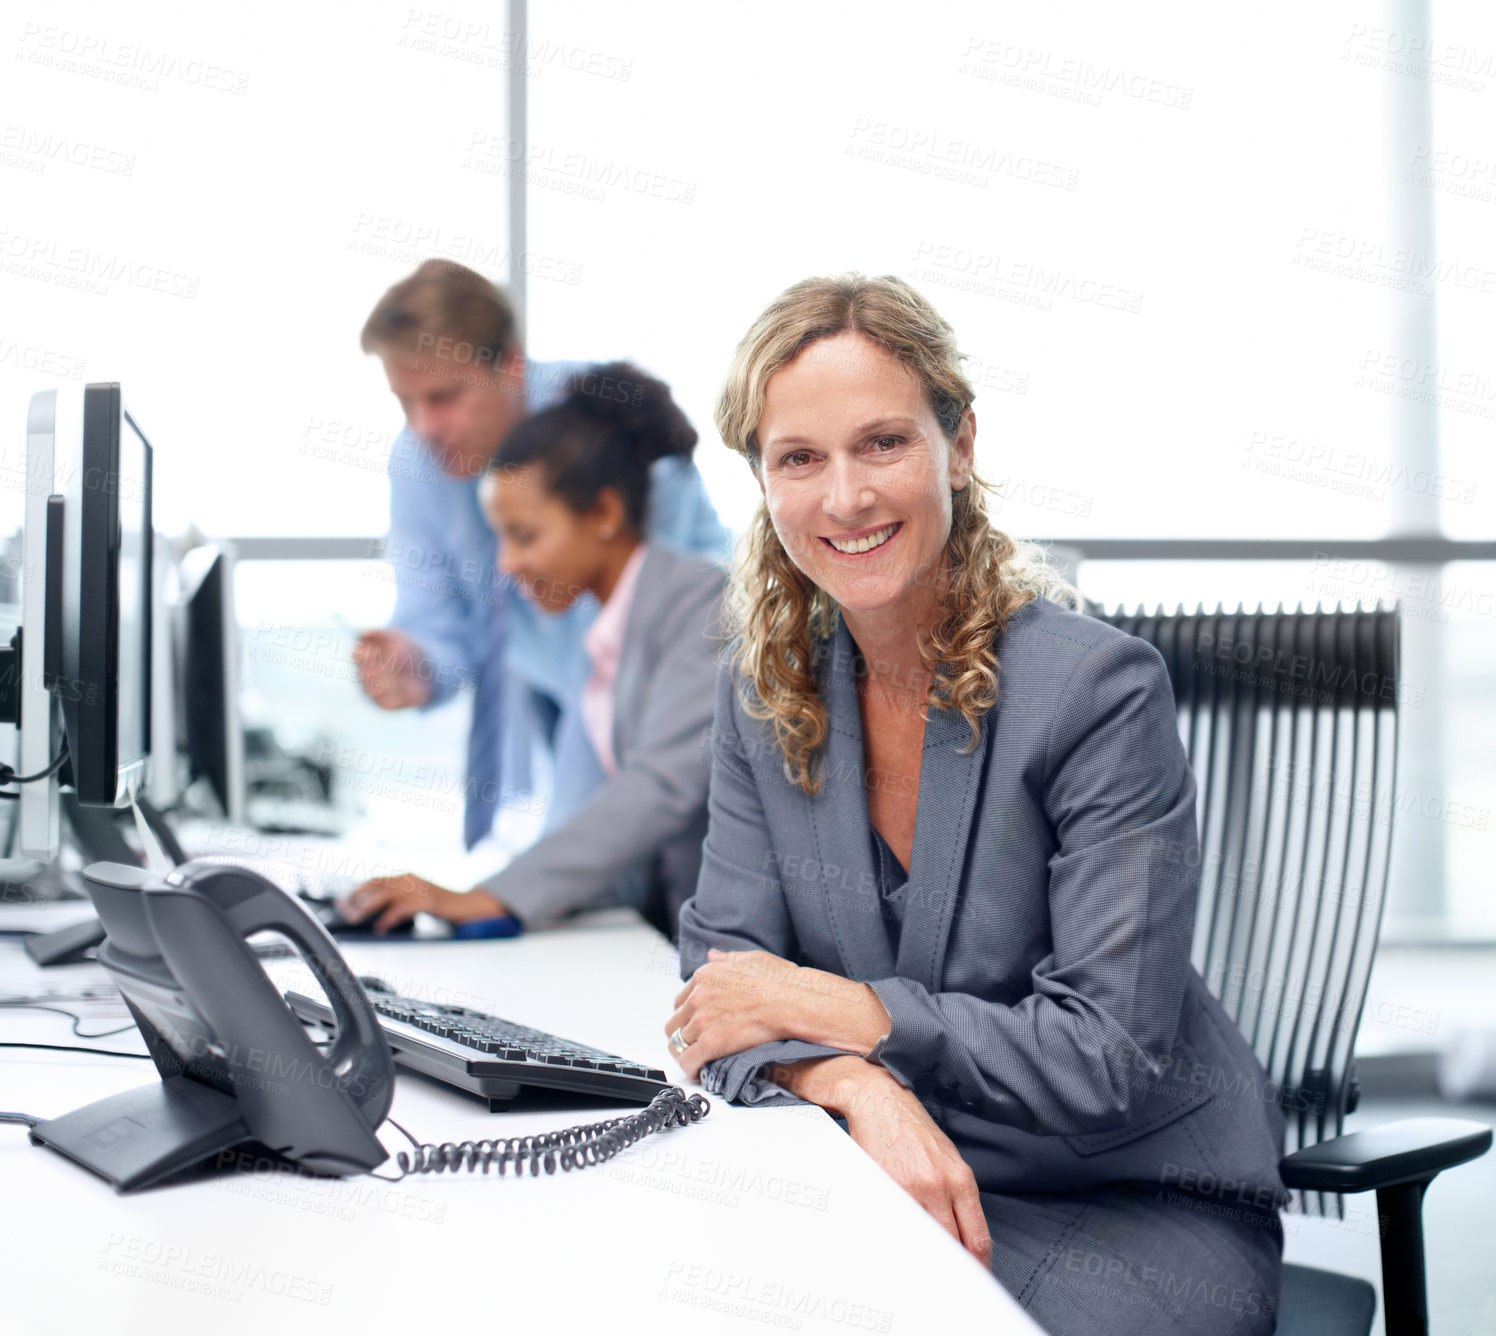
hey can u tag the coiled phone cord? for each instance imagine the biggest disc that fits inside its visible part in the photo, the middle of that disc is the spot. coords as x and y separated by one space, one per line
573 1148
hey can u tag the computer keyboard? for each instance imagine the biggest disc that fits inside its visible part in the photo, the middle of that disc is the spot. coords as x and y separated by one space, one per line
490 1057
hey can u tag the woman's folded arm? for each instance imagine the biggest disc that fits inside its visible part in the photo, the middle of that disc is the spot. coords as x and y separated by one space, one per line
739 904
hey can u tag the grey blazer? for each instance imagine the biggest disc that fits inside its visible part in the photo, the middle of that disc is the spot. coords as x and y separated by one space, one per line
1042 999
638 838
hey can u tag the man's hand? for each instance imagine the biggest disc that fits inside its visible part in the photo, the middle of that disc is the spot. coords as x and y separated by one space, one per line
396 899
742 998
892 1126
390 669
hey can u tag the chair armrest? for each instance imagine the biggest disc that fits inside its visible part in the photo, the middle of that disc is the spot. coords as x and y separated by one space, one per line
1412 1150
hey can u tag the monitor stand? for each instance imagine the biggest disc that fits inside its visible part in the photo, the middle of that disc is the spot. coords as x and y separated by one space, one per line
65 946
98 837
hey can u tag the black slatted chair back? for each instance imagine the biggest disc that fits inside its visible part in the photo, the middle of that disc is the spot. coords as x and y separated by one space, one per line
1290 722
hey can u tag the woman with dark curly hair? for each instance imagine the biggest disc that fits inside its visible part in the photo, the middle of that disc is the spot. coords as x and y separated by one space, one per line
948 886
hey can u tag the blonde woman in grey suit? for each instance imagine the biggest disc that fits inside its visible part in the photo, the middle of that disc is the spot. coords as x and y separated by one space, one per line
949 878
567 492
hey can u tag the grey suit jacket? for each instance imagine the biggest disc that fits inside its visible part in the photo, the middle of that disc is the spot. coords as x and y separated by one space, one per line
1042 999
638 838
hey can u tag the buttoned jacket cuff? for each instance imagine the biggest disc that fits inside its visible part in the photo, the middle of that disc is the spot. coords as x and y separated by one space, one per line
915 1038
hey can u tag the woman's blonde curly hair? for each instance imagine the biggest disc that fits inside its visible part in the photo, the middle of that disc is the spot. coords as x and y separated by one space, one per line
780 619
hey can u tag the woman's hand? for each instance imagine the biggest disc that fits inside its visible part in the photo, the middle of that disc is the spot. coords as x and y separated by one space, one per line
396 899
742 998
892 1126
734 1001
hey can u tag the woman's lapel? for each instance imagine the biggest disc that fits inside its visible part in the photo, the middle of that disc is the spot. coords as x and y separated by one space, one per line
841 827
950 783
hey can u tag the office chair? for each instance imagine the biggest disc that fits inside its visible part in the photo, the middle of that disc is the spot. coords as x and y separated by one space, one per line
1290 722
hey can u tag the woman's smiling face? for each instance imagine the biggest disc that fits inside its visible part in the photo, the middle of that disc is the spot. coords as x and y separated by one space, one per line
858 475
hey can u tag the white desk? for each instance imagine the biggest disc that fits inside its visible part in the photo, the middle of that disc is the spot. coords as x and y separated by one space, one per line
752 1219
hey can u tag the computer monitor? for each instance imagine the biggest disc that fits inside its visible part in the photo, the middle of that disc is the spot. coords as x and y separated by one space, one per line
210 676
85 650
52 417
105 649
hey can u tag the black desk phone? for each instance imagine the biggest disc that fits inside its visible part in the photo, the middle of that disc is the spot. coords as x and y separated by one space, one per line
236 1065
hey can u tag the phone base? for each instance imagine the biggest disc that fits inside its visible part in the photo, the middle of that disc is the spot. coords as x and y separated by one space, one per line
140 1137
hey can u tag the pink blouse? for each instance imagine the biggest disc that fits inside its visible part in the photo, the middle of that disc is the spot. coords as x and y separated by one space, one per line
604 644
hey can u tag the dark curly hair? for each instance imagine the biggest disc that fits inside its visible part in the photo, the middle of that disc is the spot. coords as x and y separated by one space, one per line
612 422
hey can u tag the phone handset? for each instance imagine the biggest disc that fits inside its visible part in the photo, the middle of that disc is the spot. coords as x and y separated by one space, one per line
319 1109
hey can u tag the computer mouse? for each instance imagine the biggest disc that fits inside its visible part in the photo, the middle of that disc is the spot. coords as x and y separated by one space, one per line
324 909
328 916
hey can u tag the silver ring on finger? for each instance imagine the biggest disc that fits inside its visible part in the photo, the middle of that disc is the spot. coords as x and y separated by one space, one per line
678 1042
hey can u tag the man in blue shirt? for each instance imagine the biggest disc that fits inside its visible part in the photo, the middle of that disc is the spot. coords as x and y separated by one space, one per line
450 347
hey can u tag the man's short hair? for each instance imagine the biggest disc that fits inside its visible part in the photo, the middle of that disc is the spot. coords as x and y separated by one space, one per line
444 310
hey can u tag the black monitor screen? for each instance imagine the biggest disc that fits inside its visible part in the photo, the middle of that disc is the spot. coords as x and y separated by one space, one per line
106 633
215 746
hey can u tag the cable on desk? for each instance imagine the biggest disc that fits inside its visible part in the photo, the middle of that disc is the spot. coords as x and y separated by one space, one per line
76 1019
76 1048
573 1148
24 1118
